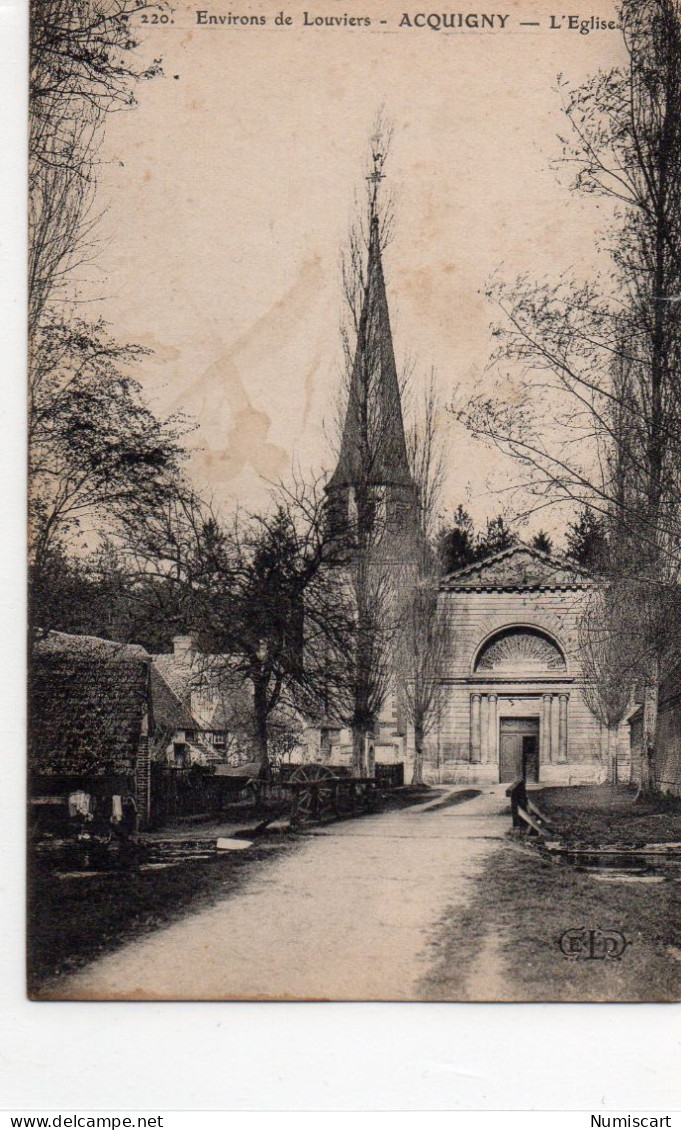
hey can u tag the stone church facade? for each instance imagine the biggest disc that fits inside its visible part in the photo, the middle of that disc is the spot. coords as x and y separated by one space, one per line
512 702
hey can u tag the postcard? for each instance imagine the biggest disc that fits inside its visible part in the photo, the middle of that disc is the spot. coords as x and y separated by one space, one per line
355 618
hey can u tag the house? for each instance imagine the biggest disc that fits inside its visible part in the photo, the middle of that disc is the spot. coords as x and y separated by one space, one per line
90 719
202 712
101 712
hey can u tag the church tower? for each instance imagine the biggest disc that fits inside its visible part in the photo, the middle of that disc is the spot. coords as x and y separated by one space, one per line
372 485
373 519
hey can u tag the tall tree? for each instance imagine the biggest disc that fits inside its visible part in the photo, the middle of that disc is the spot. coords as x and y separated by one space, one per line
608 659
456 541
82 66
423 633
586 540
498 536
608 351
459 544
95 449
542 542
373 503
426 453
96 452
423 643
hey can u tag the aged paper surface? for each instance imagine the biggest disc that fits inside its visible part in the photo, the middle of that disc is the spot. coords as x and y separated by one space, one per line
279 702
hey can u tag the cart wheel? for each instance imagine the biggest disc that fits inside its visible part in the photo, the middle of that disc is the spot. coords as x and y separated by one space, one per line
311 803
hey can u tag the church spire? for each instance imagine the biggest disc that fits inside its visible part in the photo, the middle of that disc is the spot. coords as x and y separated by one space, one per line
373 448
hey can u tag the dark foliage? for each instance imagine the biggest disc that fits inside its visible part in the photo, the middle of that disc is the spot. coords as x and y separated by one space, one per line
542 542
459 544
96 595
95 449
587 543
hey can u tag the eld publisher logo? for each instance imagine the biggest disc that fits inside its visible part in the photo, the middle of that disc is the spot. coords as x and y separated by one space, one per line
580 944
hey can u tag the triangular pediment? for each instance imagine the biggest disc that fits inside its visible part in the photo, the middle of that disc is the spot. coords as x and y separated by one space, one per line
519 568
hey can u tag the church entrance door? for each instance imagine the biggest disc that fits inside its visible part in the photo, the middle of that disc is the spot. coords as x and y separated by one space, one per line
519 749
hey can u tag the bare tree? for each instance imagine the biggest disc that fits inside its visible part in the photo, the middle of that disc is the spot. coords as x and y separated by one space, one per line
95 449
423 637
426 452
83 66
607 654
369 658
607 352
421 654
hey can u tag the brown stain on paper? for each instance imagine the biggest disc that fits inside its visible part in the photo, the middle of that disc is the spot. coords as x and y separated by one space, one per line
234 429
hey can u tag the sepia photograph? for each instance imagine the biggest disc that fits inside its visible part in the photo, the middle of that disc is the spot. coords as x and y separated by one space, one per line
354 418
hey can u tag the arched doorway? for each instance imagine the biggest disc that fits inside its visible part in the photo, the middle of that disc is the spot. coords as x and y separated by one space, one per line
522 710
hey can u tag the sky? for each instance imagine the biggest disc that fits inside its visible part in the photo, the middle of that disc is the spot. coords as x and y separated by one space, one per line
228 193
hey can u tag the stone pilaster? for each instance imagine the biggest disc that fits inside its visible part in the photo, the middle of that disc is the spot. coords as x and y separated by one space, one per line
476 736
545 750
492 731
562 727
484 729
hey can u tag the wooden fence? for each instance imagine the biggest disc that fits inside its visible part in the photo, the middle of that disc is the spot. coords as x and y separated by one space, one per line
390 776
178 793
185 792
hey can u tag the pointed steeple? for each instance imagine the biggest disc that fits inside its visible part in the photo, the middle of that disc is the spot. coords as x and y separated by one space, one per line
373 447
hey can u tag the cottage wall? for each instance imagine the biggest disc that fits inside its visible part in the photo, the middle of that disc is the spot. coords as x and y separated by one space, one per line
90 715
667 762
668 748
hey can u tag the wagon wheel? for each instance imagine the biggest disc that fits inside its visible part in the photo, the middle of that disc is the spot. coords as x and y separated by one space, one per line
304 798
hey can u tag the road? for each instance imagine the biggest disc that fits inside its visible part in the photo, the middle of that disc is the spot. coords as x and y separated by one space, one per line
350 913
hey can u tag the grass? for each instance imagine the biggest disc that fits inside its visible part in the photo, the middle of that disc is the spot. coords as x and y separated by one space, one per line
606 815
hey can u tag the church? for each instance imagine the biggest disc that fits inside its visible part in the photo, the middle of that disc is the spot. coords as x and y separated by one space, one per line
510 701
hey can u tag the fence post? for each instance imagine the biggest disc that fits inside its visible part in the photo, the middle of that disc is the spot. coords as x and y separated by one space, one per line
143 781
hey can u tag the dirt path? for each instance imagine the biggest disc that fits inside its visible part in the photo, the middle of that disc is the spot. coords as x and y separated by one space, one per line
349 915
